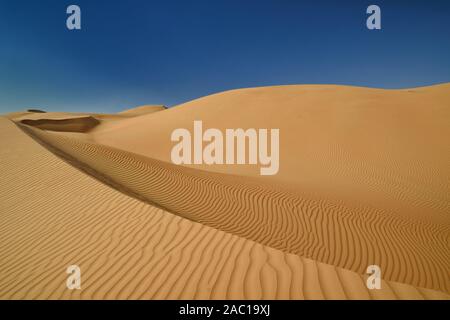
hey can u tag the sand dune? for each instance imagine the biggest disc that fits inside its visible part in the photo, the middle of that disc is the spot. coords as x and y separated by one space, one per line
384 147
364 179
75 124
141 110
126 114
78 122
408 250
54 215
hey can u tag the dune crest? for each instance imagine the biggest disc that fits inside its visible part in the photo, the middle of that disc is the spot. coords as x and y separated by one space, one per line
76 124
141 110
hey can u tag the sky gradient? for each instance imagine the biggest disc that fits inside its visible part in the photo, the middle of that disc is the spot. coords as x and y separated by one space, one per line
135 52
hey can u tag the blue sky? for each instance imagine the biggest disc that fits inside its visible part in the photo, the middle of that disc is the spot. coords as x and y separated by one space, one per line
134 52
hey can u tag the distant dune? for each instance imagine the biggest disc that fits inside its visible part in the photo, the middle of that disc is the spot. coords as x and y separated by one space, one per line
36 111
364 179
138 111
76 124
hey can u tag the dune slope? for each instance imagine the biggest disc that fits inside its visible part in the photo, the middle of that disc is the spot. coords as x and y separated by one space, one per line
352 237
141 110
75 124
54 215
387 148
364 179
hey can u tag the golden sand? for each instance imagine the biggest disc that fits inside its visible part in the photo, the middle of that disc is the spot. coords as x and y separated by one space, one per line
364 179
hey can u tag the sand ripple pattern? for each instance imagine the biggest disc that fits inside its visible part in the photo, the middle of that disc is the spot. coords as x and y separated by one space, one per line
52 215
408 251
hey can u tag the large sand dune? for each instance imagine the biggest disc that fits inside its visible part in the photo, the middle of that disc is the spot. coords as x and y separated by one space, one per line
54 215
364 179
331 232
386 147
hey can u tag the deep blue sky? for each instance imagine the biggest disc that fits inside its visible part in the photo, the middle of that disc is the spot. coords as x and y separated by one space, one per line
136 52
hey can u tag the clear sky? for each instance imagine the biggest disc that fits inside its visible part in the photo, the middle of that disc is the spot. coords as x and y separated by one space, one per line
134 52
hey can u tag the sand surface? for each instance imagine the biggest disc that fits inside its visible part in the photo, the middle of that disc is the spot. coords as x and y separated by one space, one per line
387 146
364 179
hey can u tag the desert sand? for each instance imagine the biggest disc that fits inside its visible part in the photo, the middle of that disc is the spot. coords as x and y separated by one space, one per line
364 179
